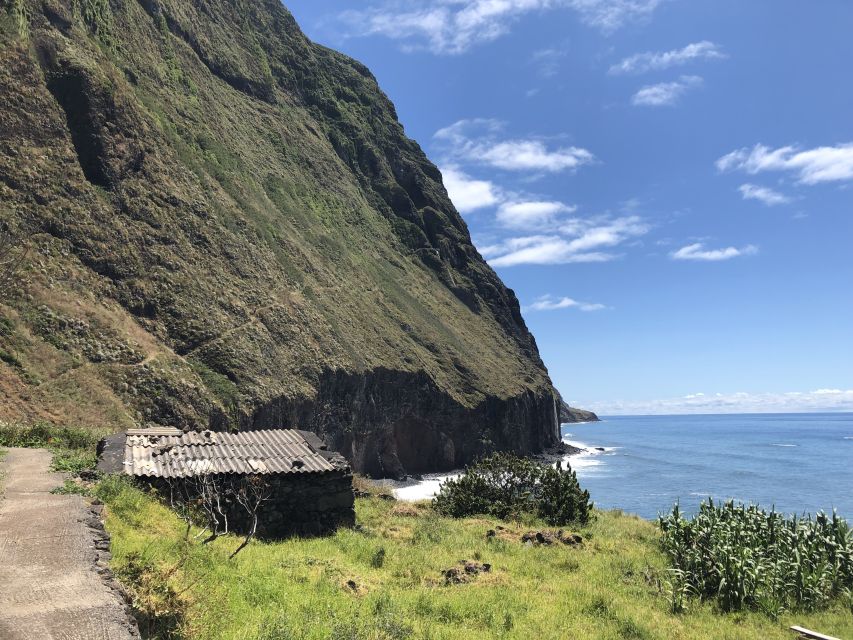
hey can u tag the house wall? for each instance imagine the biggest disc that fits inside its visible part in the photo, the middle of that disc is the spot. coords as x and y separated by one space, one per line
300 504
308 504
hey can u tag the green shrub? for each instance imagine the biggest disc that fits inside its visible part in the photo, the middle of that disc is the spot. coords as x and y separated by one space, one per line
744 557
504 485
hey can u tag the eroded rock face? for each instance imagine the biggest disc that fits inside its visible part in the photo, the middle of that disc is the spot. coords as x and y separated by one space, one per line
571 415
392 423
230 229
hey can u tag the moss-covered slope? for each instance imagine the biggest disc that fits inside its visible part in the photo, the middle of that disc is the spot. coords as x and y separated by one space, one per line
228 226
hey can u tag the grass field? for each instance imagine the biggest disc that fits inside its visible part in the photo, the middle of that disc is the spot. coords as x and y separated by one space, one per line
384 580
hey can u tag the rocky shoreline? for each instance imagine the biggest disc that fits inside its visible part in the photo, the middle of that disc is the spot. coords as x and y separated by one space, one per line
416 487
557 453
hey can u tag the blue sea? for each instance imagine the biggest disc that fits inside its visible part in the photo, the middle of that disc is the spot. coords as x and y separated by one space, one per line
797 462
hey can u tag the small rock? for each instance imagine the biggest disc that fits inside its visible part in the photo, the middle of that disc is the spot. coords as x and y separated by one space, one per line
550 537
463 574
475 567
455 575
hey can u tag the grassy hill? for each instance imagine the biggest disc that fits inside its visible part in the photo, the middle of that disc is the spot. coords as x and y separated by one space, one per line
385 580
228 227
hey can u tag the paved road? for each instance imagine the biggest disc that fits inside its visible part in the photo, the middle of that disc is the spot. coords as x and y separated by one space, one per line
49 586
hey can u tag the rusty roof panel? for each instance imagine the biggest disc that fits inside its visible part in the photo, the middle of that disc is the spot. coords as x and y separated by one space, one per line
171 453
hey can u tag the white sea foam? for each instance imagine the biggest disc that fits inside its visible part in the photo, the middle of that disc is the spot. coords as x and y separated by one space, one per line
777 444
411 491
423 489
587 462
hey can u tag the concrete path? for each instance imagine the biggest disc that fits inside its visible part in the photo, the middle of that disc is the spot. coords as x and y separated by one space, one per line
50 588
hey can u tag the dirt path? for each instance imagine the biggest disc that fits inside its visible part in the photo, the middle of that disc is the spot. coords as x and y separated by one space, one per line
49 582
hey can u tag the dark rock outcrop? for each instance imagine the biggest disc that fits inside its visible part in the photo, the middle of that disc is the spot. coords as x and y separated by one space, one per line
390 423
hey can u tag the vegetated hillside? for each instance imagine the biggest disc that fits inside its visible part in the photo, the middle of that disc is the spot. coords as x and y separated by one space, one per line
228 226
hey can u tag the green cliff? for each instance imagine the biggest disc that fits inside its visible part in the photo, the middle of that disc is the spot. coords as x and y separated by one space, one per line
227 226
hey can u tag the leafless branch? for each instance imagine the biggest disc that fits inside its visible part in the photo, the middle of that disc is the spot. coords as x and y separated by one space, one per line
251 492
208 498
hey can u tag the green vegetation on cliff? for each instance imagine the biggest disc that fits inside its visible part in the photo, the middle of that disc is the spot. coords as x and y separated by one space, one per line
228 227
388 579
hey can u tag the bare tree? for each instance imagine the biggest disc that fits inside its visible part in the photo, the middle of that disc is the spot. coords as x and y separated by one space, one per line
200 498
251 492
208 498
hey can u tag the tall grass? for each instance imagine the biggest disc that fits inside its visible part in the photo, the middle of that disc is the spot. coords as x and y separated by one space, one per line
73 448
743 557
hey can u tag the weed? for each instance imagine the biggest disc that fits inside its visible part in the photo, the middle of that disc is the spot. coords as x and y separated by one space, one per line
378 558
71 488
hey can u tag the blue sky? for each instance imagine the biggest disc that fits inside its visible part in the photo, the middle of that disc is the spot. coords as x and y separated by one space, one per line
667 185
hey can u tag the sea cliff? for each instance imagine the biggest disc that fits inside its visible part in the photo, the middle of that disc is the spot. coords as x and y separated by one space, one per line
227 227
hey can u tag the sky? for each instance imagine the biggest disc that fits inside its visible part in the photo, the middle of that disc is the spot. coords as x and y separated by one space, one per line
667 185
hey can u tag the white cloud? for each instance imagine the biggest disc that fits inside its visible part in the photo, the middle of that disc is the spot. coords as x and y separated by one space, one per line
576 240
511 244
547 61
548 303
698 252
657 61
551 250
531 214
454 26
796 401
477 141
665 94
467 193
812 166
610 15
763 194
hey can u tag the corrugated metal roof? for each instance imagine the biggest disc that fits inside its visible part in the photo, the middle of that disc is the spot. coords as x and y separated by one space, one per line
171 453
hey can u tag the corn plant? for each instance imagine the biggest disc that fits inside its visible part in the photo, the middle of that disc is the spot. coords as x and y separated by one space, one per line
743 557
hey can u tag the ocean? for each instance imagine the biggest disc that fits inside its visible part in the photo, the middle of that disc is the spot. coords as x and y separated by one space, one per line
797 462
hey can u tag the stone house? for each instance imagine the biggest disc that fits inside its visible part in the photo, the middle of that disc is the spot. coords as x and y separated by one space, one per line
308 488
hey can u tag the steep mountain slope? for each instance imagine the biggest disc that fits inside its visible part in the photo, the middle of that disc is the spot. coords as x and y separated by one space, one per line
228 227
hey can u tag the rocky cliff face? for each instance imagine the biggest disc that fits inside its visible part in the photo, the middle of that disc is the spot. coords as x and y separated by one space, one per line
572 415
228 227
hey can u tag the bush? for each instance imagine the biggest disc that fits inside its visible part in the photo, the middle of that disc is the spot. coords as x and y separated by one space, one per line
744 557
504 485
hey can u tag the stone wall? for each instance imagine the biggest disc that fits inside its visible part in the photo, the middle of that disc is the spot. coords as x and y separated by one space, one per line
308 504
299 504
